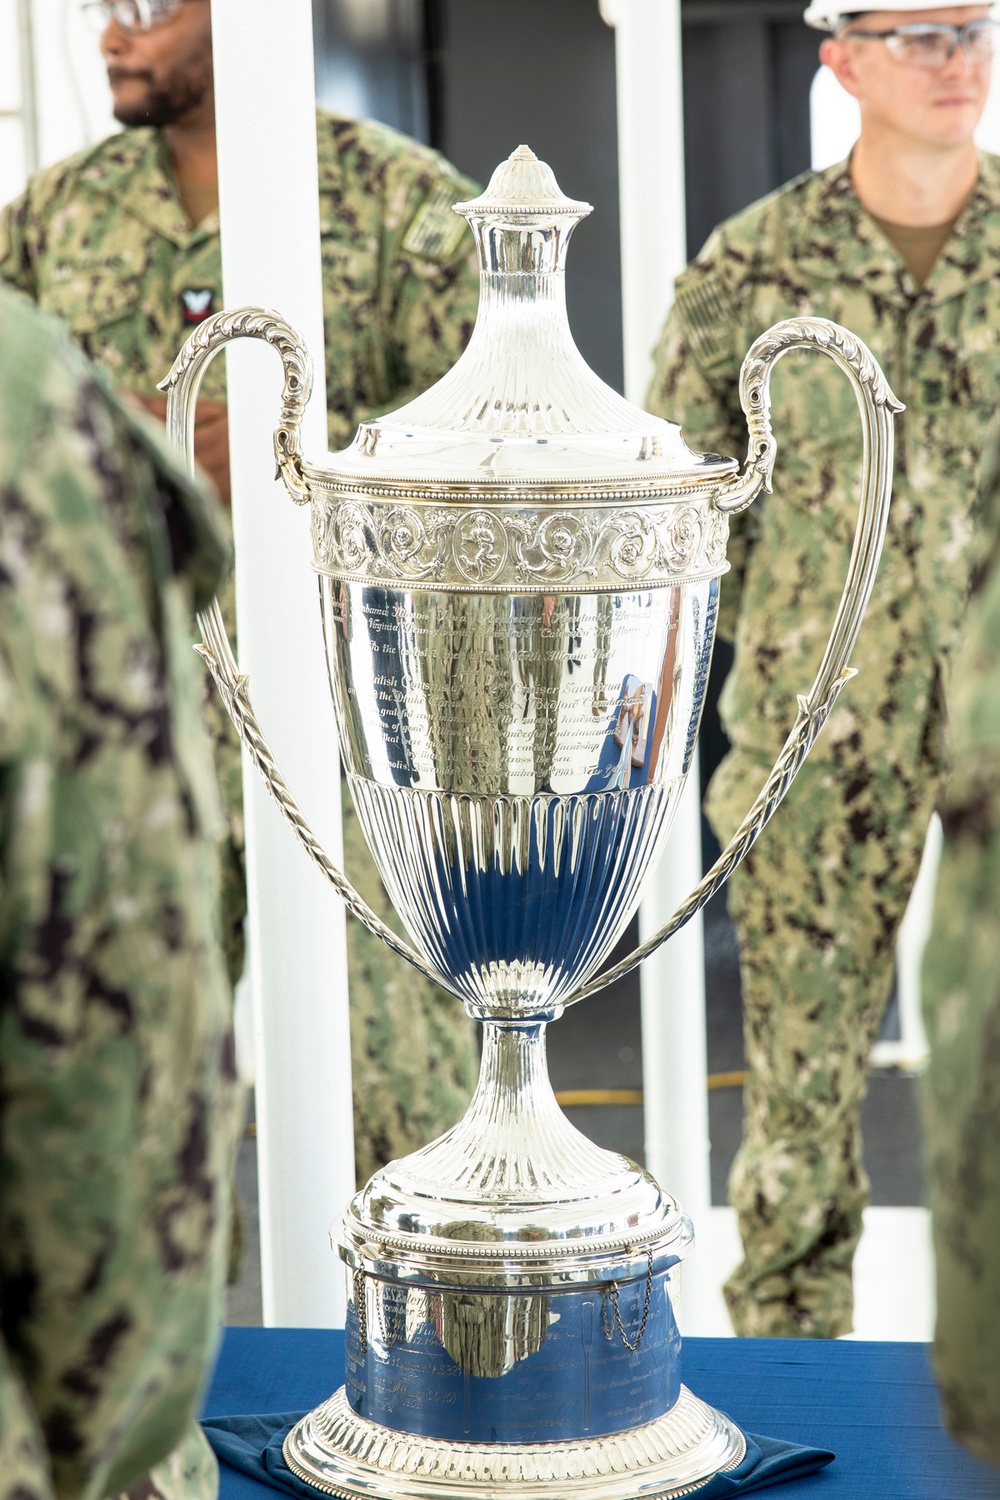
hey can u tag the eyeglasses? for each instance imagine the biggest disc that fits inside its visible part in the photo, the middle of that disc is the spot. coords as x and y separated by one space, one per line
133 16
930 45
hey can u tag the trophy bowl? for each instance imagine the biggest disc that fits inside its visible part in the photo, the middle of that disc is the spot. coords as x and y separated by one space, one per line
519 575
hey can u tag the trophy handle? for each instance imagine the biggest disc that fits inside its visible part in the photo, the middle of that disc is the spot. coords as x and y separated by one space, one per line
188 371
182 386
878 406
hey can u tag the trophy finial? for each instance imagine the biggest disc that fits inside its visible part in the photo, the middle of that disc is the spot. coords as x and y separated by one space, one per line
523 186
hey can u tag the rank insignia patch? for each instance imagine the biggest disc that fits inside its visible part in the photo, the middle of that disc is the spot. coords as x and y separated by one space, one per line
198 303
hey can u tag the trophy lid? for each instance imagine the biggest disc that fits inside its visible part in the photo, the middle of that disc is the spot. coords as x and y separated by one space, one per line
521 406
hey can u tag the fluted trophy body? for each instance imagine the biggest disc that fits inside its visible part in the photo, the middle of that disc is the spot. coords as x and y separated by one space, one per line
519 575
515 760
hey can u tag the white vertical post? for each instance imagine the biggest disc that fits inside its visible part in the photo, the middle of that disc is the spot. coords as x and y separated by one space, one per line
265 109
13 152
912 1049
29 99
653 251
650 174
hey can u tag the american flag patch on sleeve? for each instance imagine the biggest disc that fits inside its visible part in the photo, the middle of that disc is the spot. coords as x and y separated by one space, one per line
436 229
709 317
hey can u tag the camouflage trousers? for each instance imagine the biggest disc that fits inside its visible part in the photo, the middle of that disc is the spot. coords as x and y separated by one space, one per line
190 1472
961 1108
817 906
25 1471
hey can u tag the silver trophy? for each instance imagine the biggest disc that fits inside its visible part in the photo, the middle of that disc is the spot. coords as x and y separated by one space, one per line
519 574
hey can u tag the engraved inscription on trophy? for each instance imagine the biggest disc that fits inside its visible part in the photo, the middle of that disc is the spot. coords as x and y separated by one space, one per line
502 1368
550 678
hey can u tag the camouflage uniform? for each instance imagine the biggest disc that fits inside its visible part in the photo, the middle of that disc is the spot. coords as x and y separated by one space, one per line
818 903
102 240
117 1083
961 996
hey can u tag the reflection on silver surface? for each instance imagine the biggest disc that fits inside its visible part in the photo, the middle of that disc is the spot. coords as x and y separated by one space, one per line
499 694
515 763
516 1368
519 575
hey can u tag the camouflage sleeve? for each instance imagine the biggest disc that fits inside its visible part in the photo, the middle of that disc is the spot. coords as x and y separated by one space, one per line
695 383
985 550
25 1472
961 999
16 264
25 225
117 1082
431 283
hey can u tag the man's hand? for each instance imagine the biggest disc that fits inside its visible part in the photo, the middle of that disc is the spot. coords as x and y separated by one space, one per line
211 437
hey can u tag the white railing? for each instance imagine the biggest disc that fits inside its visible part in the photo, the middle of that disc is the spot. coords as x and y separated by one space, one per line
653 251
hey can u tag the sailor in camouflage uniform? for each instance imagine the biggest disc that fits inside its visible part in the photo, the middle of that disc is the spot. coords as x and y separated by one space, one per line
122 242
818 903
117 1078
961 997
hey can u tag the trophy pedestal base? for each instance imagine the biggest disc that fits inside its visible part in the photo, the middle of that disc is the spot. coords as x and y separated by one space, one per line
345 1455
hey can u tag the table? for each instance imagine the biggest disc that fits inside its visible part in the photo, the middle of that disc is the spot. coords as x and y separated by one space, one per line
874 1404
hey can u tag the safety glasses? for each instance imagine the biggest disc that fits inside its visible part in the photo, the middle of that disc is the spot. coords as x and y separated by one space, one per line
133 16
930 44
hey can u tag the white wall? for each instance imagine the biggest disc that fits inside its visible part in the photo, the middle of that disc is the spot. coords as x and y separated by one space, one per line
835 120
71 90
74 105
988 134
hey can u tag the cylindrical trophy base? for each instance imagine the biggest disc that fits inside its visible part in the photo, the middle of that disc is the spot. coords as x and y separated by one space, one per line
344 1455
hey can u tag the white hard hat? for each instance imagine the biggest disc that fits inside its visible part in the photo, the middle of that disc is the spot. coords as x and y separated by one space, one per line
826 15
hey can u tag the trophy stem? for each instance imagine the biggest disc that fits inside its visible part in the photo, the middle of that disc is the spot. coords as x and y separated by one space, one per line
514 1078
514 1146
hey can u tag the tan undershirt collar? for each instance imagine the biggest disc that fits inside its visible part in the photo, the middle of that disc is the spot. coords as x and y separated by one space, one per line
199 200
919 246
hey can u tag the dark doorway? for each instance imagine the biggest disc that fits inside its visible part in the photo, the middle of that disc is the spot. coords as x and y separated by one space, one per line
748 70
475 78
371 61
501 73
513 71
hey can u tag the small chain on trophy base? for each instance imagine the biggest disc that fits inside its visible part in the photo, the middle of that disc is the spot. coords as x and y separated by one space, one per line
342 1454
631 1343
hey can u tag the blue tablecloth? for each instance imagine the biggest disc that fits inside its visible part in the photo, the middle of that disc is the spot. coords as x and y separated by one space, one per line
874 1404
